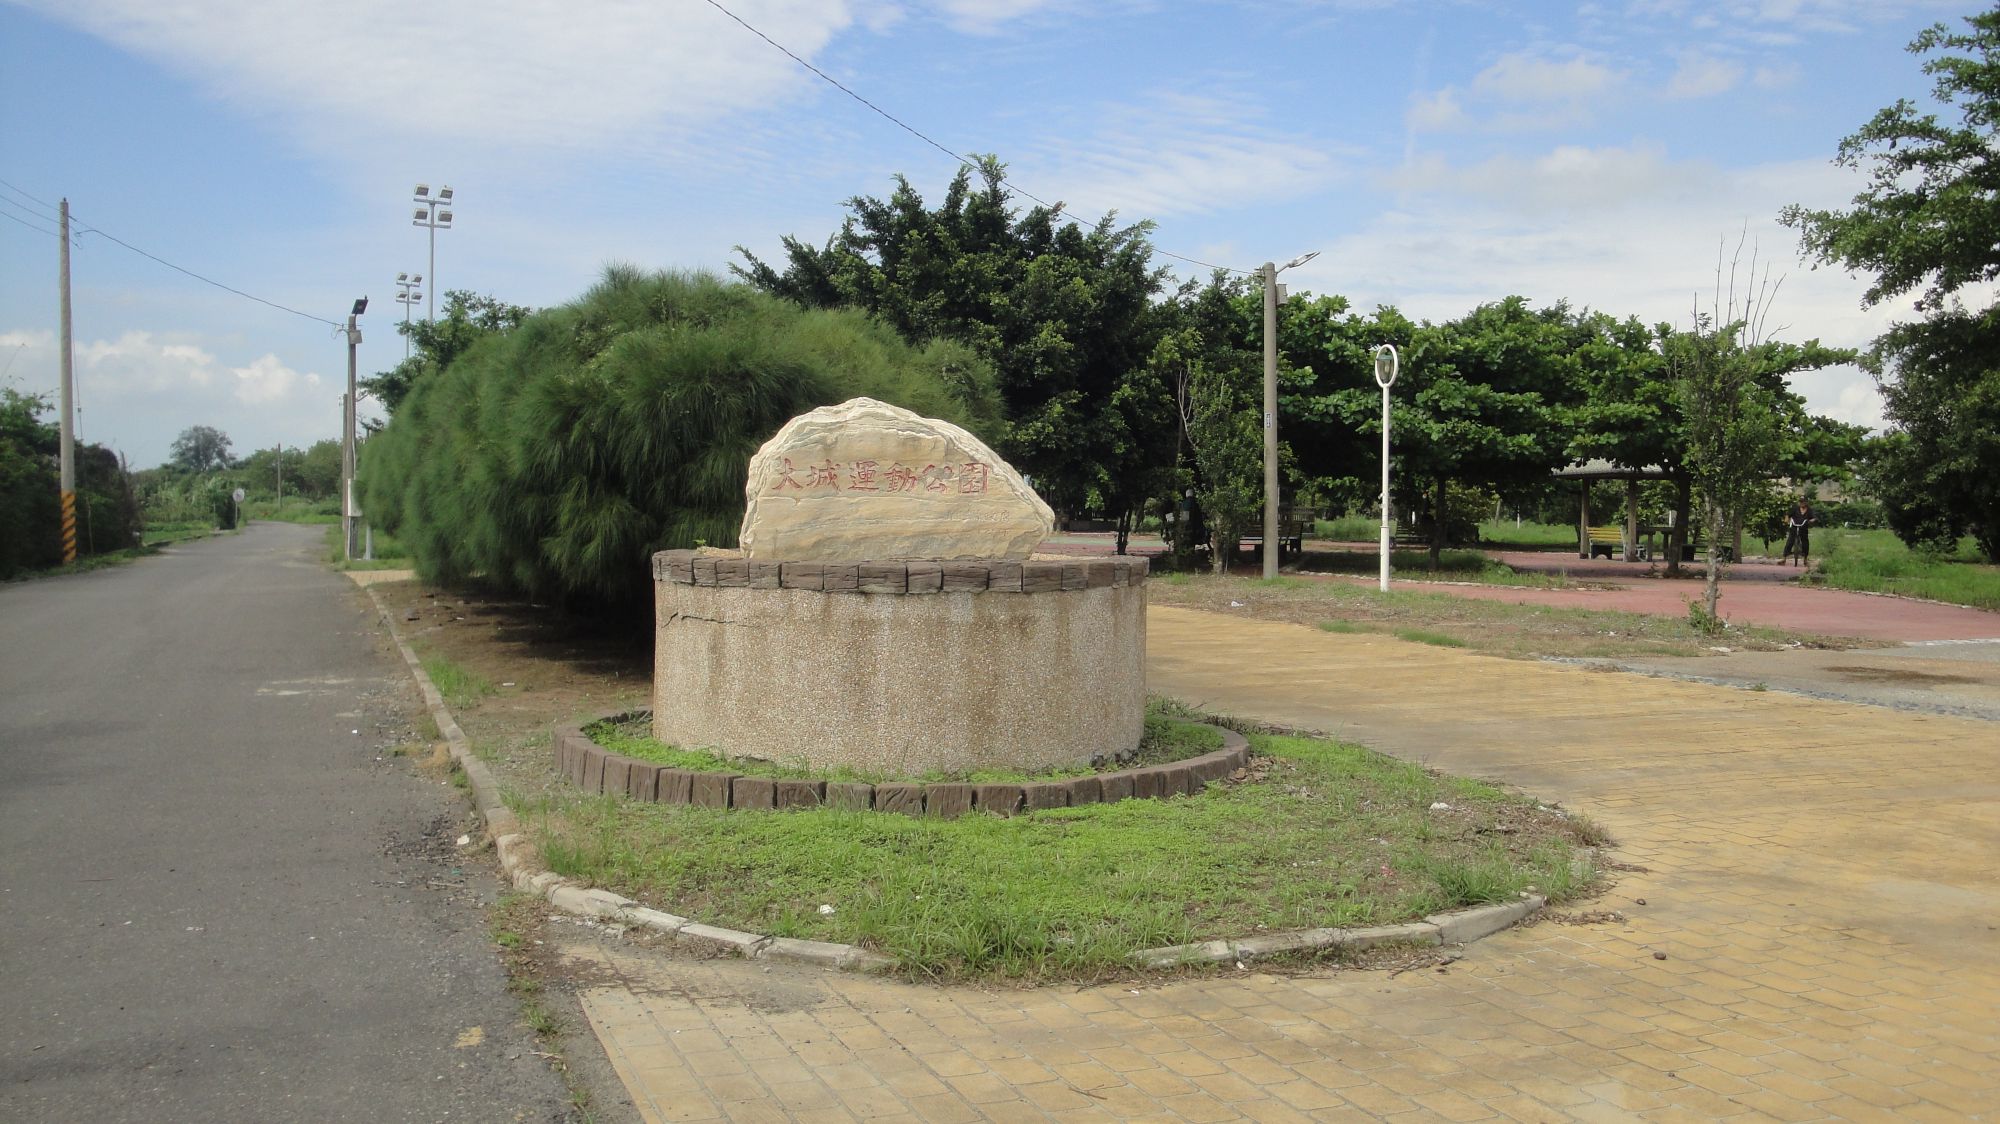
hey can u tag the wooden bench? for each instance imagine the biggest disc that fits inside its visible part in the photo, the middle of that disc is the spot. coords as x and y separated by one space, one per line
1291 533
1609 542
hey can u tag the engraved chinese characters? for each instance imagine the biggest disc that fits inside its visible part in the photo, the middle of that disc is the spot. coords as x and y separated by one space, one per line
865 480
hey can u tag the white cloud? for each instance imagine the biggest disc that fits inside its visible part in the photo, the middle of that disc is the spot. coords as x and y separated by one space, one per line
514 72
987 16
137 389
1182 154
1435 112
267 380
1701 75
1569 176
1776 76
1523 77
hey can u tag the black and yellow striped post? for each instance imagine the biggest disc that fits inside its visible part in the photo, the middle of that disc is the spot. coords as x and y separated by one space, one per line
69 527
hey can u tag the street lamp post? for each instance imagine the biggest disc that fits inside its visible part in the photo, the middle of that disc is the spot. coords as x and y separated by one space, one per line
1387 364
348 511
407 296
428 215
1271 272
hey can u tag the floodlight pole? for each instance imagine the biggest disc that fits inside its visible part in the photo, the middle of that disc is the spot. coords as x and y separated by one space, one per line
1385 377
429 217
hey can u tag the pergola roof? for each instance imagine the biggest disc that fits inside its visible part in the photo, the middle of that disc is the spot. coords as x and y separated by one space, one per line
1601 469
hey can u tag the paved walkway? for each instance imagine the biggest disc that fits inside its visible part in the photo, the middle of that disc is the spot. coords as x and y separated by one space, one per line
1822 878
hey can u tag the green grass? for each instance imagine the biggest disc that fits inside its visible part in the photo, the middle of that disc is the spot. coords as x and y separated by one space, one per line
1414 565
1169 736
389 554
1348 528
88 562
292 509
1426 636
1335 835
1877 562
1500 533
458 685
160 534
1503 534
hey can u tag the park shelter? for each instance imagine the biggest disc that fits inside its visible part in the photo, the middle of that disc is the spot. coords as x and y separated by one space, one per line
1590 471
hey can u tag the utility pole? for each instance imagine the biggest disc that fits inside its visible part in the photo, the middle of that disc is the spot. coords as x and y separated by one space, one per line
281 474
1270 420
1272 294
348 510
68 401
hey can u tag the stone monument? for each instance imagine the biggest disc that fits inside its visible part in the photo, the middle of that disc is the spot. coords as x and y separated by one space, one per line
885 613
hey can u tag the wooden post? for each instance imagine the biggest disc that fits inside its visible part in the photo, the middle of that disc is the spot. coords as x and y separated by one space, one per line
1583 521
1631 519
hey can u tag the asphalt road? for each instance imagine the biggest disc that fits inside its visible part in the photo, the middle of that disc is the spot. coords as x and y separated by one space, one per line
218 901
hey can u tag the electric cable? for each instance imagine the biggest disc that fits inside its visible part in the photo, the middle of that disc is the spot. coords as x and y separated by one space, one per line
913 131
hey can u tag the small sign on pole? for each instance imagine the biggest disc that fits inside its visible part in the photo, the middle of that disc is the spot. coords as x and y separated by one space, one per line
1387 366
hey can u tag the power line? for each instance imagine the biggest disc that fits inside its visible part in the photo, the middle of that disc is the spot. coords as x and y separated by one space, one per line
913 131
45 204
205 280
31 226
79 226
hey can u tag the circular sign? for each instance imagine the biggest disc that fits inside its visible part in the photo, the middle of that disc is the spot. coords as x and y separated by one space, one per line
237 495
1387 364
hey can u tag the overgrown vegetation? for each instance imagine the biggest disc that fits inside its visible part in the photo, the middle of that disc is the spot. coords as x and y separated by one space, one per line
552 460
1327 834
1875 562
107 515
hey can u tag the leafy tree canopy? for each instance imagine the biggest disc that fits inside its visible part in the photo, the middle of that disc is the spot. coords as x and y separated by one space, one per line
200 448
1926 222
1062 311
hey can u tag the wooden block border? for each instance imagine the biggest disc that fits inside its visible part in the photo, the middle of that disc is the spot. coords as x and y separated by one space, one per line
596 770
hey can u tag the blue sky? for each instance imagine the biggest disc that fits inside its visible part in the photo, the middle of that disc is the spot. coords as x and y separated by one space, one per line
1439 155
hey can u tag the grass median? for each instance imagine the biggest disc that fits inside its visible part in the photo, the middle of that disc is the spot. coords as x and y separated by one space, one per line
1318 833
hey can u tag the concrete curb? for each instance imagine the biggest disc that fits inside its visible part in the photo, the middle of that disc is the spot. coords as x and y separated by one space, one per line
522 864
1457 927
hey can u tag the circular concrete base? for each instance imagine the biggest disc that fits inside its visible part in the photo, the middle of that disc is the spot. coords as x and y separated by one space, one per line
900 669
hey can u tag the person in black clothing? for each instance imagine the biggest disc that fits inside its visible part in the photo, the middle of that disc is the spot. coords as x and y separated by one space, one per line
1798 542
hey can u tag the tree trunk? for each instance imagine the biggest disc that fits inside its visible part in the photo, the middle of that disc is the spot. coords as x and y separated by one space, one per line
1677 542
1437 523
1124 529
1712 585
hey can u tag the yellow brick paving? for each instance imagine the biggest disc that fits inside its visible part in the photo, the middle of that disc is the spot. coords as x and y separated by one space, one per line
1823 878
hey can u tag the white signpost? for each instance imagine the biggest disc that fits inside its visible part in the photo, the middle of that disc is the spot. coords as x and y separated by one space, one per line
1387 365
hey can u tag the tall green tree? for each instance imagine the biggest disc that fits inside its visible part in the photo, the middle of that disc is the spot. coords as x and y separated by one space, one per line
200 448
1062 311
468 318
1925 224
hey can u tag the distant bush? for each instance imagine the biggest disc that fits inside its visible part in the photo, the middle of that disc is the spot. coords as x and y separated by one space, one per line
107 516
552 460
